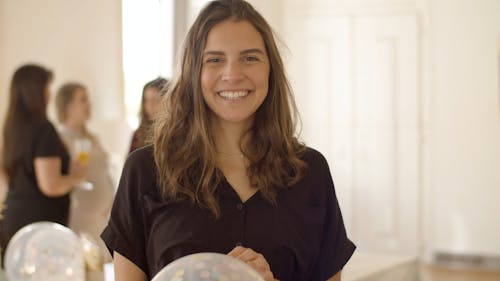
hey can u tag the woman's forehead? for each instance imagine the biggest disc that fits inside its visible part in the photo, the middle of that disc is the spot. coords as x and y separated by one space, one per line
234 35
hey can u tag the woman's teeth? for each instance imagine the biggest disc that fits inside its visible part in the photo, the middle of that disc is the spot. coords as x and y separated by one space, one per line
233 94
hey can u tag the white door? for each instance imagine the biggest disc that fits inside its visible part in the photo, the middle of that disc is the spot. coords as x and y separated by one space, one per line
357 87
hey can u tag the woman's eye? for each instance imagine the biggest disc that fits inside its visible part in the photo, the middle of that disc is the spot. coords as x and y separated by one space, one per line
251 58
213 60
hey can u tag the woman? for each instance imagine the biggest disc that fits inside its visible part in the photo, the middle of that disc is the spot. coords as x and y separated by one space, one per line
226 173
90 209
150 106
34 158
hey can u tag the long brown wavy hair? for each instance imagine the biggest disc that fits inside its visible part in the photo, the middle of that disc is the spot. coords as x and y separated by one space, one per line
27 105
184 147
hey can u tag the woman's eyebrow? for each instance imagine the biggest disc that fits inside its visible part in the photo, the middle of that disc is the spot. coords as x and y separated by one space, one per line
247 51
253 50
217 53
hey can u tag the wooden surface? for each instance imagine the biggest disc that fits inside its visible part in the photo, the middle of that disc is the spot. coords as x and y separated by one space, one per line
385 267
373 267
430 273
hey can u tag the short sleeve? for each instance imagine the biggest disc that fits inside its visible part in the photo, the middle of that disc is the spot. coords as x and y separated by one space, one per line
125 232
48 142
336 248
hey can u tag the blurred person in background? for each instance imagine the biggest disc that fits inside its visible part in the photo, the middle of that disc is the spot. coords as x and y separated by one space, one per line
89 211
35 160
150 106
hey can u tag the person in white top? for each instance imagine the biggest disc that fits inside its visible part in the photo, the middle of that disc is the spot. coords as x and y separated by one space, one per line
90 204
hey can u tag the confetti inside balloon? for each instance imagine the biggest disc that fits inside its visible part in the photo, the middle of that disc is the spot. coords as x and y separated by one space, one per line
44 251
207 267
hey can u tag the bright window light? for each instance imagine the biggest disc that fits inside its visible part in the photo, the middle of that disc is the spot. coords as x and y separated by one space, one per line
147 48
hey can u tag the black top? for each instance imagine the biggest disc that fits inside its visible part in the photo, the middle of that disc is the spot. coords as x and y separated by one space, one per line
302 237
25 203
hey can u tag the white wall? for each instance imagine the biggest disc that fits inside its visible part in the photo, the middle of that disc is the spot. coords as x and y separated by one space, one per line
79 41
464 139
272 11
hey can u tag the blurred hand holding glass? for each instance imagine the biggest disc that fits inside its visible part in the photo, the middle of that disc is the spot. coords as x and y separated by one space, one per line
82 149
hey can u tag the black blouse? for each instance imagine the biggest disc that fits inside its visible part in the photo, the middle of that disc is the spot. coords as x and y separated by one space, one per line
302 237
25 203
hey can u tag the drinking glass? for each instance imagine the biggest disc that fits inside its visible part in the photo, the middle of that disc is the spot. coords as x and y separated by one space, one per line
82 149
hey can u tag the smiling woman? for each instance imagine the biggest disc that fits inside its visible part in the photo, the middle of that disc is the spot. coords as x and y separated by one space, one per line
226 172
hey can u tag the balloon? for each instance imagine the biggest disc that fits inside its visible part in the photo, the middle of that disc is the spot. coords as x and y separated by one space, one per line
44 251
207 267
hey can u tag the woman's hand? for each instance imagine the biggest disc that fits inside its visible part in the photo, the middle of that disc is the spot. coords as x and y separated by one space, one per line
50 180
254 260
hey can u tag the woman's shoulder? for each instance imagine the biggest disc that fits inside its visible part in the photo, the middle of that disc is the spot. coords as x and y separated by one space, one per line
313 157
142 153
43 124
314 184
317 171
139 171
140 164
141 158
43 127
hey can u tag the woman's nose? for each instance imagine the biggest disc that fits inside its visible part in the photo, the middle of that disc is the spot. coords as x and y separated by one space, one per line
232 71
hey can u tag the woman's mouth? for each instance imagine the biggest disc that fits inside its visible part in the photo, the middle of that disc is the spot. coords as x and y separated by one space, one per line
233 95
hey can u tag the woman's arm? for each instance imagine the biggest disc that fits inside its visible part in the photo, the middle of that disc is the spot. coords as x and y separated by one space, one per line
50 180
125 270
335 277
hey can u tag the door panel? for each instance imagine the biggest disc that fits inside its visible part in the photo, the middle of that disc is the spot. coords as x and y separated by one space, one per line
356 84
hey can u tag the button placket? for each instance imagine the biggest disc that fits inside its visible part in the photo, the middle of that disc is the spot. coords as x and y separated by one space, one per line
239 206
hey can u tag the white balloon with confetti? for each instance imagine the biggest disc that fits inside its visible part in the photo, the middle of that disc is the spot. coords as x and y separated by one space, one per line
44 251
207 267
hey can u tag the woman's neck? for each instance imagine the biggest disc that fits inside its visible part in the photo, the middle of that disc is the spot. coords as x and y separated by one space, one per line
228 138
76 127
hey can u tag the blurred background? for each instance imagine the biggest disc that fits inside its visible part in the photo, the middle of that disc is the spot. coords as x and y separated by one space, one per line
402 97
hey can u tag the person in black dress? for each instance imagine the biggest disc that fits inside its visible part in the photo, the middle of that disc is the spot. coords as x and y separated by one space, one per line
226 172
35 160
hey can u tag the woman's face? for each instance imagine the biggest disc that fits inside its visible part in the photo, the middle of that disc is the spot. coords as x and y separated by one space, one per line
235 72
152 102
78 110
